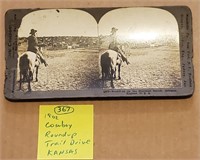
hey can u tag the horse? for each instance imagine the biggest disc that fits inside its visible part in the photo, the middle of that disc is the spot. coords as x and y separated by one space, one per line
29 63
109 61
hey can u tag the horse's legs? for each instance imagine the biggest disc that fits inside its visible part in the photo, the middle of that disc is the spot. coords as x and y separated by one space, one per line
119 70
20 81
36 72
29 81
111 78
103 76
114 76
29 86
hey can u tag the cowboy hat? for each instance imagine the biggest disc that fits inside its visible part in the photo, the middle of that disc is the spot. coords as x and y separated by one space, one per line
33 31
114 29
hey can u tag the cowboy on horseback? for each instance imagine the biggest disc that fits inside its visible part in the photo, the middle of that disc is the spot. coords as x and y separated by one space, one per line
33 46
117 47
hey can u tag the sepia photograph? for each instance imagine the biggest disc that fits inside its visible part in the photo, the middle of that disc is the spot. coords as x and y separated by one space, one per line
147 40
66 44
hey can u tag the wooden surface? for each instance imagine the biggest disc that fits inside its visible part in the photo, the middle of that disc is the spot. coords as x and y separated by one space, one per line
123 129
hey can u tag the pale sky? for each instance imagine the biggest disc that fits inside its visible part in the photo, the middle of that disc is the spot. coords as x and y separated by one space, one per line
132 23
139 23
66 22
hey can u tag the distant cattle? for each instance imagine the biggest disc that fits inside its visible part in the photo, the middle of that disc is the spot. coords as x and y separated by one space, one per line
74 45
109 61
69 47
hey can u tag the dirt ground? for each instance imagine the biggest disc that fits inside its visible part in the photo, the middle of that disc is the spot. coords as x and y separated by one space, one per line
78 69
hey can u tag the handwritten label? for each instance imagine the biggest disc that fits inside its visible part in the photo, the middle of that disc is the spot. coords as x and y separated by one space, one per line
65 132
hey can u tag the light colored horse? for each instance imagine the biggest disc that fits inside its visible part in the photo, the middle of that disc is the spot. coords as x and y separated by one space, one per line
29 63
109 61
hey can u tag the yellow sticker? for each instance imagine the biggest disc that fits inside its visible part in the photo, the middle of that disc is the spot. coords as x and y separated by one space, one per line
65 132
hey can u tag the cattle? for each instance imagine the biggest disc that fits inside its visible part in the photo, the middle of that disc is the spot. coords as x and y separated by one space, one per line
109 61
28 64
69 47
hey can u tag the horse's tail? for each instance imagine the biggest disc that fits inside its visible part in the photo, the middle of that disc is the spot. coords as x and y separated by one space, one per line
106 64
24 65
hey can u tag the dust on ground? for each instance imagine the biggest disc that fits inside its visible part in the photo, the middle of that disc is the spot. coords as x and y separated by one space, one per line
78 69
